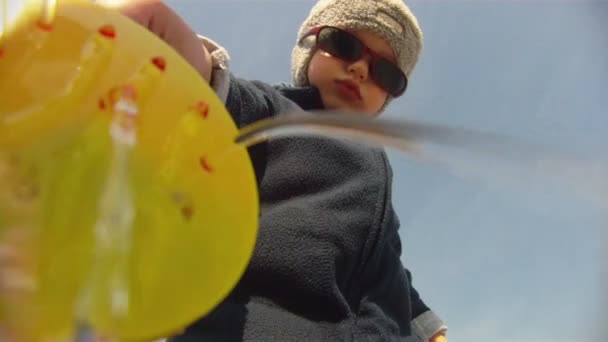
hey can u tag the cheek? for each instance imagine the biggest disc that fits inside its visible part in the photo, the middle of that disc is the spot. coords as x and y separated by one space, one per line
376 99
320 69
313 72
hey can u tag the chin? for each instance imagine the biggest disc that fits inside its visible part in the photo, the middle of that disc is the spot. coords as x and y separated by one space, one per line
356 111
338 104
341 106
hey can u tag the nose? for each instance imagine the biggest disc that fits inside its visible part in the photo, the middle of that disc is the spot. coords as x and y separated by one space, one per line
359 69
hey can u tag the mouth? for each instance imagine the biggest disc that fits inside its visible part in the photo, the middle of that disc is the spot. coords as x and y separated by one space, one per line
349 89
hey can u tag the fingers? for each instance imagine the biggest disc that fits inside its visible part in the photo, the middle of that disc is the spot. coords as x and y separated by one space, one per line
162 21
152 14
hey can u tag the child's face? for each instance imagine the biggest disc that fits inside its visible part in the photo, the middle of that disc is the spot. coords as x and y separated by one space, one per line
347 85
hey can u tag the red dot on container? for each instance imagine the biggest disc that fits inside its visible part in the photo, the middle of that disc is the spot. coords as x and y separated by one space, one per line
203 108
160 63
205 164
187 213
45 26
108 31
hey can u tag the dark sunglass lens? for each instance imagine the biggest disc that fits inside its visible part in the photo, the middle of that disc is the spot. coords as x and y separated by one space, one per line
389 77
340 44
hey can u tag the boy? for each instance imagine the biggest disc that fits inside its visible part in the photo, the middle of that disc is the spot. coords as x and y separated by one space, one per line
318 57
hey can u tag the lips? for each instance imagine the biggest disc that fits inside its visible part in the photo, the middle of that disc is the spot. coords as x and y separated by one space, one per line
349 89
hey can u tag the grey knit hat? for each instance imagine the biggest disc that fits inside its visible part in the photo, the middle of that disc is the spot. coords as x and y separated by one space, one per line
391 20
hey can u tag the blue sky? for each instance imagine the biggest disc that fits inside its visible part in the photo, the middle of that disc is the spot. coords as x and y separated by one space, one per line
503 251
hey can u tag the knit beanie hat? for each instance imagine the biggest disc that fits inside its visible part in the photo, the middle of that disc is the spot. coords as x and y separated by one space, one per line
391 20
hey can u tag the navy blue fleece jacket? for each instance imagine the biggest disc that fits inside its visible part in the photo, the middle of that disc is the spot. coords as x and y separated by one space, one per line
326 265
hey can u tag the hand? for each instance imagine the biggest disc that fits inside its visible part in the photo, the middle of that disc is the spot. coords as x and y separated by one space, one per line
161 20
439 338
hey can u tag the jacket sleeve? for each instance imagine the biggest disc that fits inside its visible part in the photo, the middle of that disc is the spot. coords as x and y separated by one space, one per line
247 101
425 323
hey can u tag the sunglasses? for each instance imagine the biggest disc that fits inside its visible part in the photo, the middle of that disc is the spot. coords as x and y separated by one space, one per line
344 45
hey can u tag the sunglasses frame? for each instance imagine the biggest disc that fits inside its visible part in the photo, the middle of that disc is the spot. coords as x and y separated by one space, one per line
365 50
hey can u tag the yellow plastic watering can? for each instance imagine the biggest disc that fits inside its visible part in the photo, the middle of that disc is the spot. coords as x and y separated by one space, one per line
118 163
